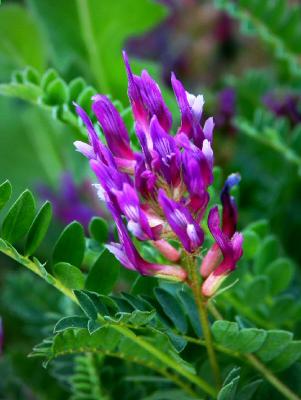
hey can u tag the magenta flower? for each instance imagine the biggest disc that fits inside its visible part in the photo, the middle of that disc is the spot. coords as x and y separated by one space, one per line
221 259
161 192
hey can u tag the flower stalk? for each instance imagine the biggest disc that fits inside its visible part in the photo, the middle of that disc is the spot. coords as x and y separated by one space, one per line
201 303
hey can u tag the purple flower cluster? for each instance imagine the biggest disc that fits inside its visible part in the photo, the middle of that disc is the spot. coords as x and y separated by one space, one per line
161 193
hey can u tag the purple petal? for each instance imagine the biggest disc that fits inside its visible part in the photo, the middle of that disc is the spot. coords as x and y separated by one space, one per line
208 153
119 252
197 176
196 104
131 259
93 138
214 226
140 113
85 149
146 99
113 127
229 206
190 124
153 100
129 203
231 249
145 180
168 155
109 177
208 129
181 222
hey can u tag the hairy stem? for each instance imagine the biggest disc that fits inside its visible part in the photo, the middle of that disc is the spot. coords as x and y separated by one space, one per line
203 315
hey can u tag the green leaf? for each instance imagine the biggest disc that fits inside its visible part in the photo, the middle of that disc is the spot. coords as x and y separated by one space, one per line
245 340
257 290
280 273
5 193
38 228
28 91
191 310
251 244
21 42
103 274
144 285
247 392
225 333
288 357
172 309
275 343
70 246
70 323
49 76
84 98
250 340
76 86
260 227
93 326
70 276
268 251
56 92
19 218
86 304
228 391
139 318
31 75
98 229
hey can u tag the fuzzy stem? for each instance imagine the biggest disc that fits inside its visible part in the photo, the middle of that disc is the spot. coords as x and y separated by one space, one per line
203 315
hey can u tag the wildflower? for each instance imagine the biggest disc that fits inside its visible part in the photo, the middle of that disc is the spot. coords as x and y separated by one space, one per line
161 192
221 259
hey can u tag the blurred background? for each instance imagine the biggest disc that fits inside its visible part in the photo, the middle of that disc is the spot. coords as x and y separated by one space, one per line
245 60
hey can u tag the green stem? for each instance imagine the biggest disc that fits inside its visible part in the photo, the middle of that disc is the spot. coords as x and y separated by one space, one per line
165 359
34 267
281 387
203 315
84 15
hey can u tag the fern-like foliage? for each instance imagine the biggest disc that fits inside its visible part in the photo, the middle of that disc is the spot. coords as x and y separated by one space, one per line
154 324
277 23
53 94
85 381
274 133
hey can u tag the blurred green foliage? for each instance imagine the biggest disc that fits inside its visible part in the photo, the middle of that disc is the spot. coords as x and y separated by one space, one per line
52 54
